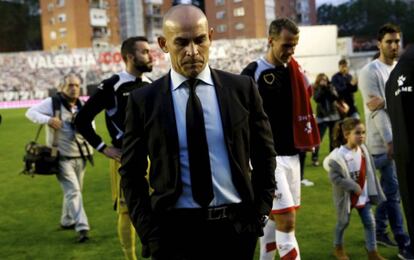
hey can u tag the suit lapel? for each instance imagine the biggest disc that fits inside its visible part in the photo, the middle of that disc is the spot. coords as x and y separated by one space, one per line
223 97
168 115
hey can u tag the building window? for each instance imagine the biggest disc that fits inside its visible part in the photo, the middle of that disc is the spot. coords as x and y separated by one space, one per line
62 18
239 26
305 19
60 3
156 9
63 47
53 35
63 32
270 12
220 14
220 2
221 28
52 21
105 4
50 6
157 23
237 1
100 45
238 11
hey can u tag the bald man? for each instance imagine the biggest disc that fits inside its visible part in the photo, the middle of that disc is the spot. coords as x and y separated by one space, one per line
200 128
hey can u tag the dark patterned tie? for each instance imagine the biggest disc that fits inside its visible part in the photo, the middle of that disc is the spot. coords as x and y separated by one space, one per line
199 159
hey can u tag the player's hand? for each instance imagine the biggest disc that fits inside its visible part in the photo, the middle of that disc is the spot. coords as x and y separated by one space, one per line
55 123
113 153
375 103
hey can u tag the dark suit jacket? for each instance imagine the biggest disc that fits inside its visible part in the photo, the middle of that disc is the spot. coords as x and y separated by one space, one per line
151 131
399 93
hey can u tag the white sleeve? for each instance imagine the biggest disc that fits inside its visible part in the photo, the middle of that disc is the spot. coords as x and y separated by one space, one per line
41 113
369 82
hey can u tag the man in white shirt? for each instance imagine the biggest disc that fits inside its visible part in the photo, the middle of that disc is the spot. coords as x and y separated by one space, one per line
203 130
72 148
379 137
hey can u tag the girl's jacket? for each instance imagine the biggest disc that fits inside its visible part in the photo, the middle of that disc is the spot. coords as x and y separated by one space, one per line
343 184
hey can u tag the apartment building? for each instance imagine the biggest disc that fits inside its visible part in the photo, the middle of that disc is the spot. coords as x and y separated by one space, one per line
232 19
68 24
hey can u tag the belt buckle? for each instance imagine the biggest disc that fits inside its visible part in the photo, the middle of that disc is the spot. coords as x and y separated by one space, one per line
217 213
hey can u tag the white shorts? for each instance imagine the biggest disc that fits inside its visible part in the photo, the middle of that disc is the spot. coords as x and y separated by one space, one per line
287 193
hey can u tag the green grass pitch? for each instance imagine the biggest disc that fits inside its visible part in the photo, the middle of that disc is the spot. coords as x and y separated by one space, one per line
30 208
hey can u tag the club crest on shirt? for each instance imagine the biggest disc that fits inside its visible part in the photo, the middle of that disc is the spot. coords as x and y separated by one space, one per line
308 128
269 78
401 87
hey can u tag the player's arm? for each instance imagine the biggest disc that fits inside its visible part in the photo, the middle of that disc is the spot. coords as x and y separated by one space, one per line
83 121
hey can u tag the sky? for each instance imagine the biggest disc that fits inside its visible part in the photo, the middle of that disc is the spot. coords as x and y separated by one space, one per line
334 2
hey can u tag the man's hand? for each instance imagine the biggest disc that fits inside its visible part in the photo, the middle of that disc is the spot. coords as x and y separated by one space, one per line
354 81
113 153
375 103
55 123
390 150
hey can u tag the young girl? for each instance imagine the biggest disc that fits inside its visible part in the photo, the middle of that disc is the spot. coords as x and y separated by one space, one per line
352 173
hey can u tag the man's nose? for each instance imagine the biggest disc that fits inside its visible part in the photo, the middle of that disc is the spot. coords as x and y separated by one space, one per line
192 49
395 45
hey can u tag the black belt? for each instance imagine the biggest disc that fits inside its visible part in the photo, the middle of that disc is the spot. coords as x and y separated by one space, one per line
210 213
217 213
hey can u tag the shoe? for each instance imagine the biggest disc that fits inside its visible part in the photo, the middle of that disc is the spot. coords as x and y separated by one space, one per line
340 253
315 163
374 255
405 254
384 240
83 236
70 227
307 183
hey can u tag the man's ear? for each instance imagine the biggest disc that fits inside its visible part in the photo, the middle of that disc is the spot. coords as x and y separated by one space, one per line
269 41
162 42
210 34
129 57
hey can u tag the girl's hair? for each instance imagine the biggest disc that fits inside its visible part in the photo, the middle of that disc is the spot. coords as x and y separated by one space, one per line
319 78
343 126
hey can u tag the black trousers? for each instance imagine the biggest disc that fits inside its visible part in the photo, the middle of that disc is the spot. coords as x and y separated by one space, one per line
188 235
405 173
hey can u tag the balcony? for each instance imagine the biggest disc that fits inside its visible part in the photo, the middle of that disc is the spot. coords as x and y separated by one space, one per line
98 17
98 4
99 33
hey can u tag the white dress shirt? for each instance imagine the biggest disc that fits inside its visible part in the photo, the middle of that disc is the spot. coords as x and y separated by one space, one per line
223 187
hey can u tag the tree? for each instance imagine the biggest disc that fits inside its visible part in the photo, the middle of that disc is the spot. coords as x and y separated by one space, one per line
20 26
364 17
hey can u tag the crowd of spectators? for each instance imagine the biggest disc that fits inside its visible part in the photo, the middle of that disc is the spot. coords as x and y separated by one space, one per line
31 75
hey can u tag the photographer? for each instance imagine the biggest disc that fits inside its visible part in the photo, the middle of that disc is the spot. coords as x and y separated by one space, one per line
327 114
72 149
